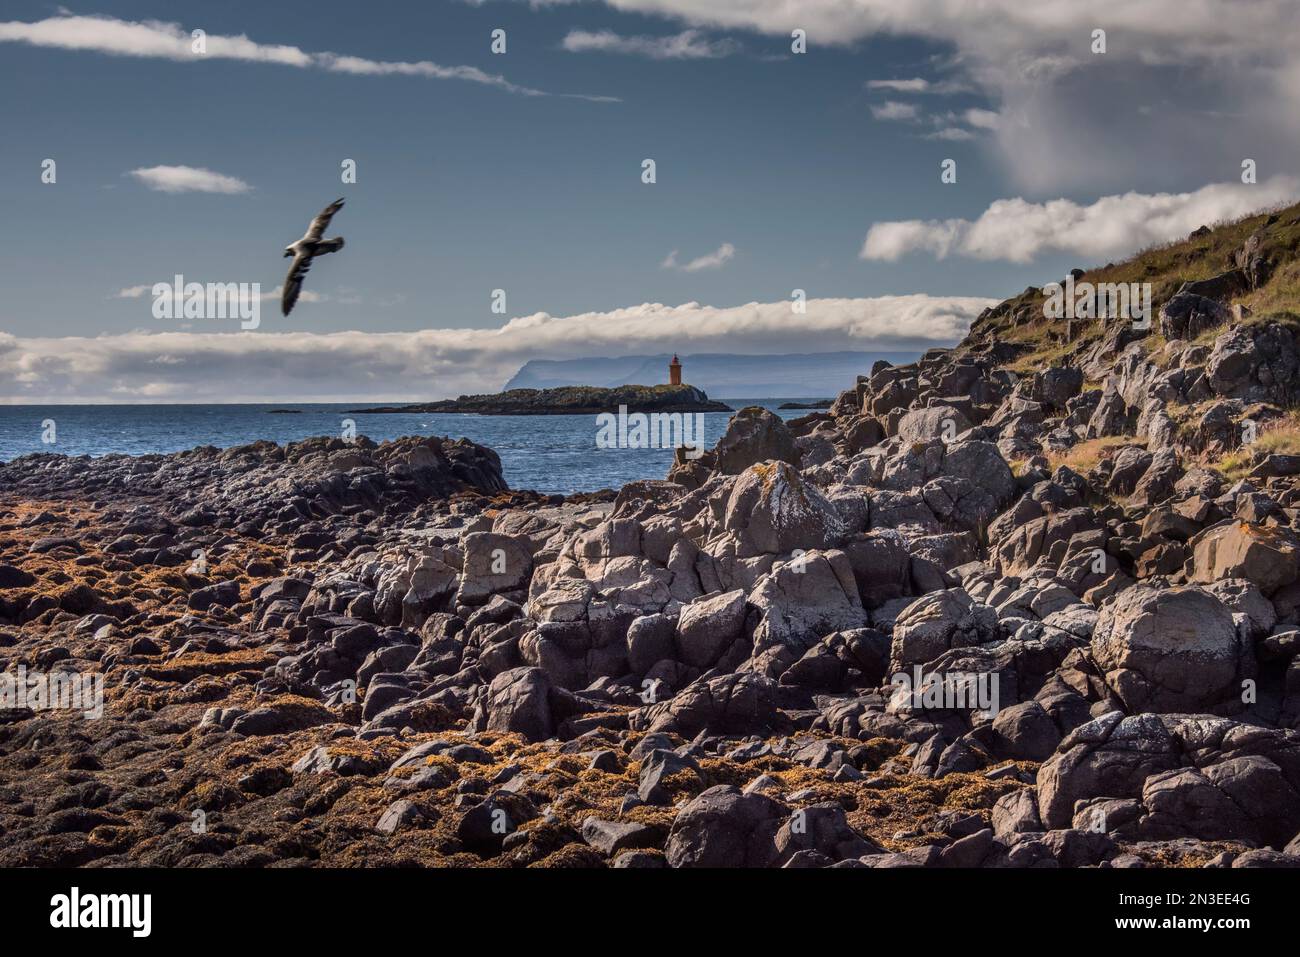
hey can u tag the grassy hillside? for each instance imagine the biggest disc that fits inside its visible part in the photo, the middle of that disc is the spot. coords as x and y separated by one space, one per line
1202 255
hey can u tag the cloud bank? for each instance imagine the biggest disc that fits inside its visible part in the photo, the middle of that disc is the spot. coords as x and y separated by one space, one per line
170 41
1018 231
266 366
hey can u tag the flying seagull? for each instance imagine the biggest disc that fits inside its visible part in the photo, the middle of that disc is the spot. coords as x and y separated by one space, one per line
305 250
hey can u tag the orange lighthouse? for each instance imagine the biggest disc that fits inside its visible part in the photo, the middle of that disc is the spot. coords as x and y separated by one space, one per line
675 372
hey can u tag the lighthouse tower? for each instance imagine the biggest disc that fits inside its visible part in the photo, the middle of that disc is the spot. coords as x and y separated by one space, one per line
675 372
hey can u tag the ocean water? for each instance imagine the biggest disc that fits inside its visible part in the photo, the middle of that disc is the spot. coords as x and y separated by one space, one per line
547 453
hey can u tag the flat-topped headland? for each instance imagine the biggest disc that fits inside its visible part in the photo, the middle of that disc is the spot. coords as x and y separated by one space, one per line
569 400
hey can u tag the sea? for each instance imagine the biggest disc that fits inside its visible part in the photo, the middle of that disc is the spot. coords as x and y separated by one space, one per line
553 454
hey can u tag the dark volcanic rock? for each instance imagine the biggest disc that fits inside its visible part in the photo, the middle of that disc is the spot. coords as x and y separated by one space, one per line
725 828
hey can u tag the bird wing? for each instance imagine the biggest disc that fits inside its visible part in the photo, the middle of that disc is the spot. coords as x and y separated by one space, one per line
293 282
318 225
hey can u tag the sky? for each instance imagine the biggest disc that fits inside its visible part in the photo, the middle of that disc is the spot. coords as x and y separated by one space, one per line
522 171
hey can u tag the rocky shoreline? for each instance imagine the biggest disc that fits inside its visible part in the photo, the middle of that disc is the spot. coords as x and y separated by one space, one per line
358 654
570 400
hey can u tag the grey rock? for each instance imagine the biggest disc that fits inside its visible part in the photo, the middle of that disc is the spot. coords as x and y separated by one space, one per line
1174 649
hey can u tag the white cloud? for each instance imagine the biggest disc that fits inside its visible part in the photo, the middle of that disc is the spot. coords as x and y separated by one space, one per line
687 45
916 85
1034 61
954 133
919 85
984 119
434 363
189 179
1018 231
714 260
893 110
132 292
150 38
949 125
170 41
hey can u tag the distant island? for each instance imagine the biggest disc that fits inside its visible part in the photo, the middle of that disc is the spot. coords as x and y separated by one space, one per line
569 400
817 404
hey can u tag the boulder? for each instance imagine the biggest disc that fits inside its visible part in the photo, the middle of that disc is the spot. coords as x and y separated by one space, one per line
224 594
484 827
708 627
824 830
754 435
286 715
805 599
650 640
1111 415
1127 467
881 566
740 703
1169 776
772 509
983 466
1056 386
1016 813
1111 756
517 700
610 837
11 576
1256 363
1186 315
1025 732
937 622
494 563
1267 557
936 422
400 815
724 827
1041 538
1172 649
659 768
1159 479
1245 799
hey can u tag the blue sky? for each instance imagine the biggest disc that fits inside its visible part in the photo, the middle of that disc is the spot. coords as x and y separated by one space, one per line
464 187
